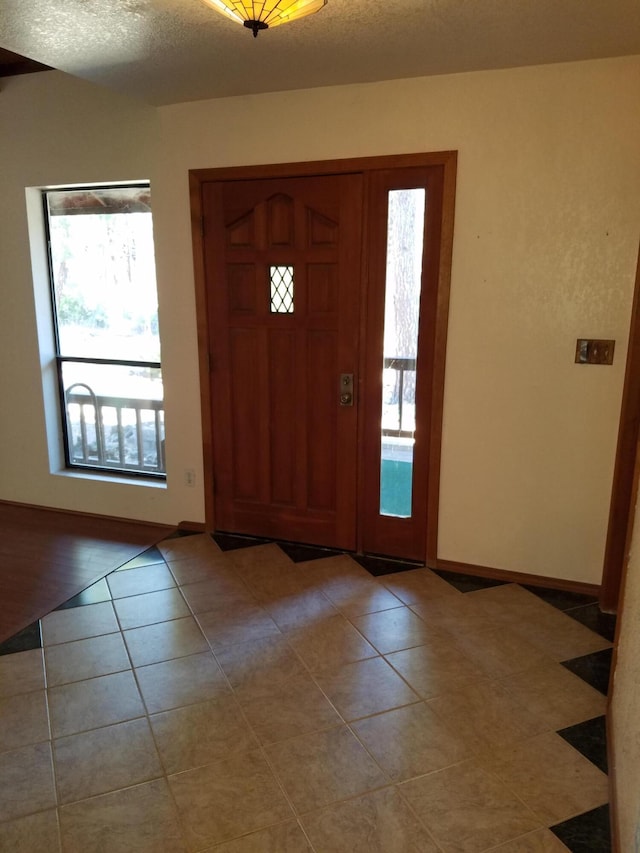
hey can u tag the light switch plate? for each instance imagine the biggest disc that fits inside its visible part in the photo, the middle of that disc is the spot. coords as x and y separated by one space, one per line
594 351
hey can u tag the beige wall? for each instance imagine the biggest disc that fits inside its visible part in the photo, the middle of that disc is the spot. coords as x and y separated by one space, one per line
546 238
58 130
624 712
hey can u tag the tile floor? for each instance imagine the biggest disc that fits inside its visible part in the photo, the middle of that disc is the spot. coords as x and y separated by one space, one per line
209 697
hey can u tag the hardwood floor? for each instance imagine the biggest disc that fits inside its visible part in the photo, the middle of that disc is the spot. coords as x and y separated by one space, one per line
46 557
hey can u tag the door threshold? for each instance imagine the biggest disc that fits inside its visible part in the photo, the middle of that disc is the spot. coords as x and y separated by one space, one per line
302 552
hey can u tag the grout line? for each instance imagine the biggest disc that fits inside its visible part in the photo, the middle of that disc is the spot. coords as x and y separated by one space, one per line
261 746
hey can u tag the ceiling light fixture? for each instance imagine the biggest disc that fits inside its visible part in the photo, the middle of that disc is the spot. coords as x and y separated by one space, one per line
264 14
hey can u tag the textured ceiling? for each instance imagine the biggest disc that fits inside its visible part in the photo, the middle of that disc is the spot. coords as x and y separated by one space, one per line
167 51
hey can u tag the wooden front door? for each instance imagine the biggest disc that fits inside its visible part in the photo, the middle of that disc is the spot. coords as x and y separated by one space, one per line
282 265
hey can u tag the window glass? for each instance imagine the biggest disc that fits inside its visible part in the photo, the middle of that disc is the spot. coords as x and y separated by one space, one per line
281 279
405 229
106 316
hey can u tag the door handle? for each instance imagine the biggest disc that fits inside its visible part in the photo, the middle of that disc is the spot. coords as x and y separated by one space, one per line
346 389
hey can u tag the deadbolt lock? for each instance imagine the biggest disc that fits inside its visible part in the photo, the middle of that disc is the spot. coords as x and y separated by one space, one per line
346 389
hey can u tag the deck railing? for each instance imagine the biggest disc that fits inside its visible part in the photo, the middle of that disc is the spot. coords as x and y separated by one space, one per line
120 433
127 433
396 418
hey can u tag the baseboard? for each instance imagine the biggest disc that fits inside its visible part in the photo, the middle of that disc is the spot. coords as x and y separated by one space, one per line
121 519
516 577
193 526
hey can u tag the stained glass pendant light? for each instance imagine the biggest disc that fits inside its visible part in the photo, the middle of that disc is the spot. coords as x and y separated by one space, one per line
263 14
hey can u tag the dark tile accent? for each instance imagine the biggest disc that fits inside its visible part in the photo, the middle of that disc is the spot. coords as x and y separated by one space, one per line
587 833
178 534
29 638
378 566
467 583
148 558
591 616
560 598
303 553
594 668
93 594
590 739
233 541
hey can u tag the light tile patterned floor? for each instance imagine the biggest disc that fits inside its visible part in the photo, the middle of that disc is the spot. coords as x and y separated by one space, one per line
241 702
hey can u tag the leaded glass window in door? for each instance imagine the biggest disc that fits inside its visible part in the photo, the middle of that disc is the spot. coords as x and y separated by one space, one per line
281 279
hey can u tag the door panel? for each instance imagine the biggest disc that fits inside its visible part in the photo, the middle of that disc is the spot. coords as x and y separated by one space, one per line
322 381
282 265
282 403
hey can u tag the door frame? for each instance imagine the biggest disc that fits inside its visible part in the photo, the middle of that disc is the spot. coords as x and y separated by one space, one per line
447 160
624 488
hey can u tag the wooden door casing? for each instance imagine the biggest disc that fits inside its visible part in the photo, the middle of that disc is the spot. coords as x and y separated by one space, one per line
205 270
624 487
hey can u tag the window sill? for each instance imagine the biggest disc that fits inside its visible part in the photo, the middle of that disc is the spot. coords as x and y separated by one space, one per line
100 477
